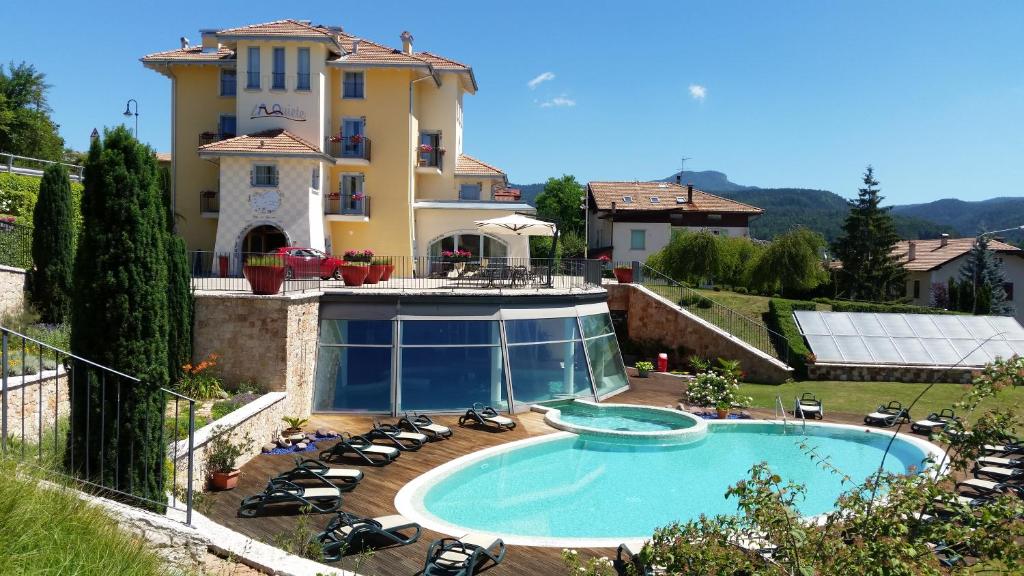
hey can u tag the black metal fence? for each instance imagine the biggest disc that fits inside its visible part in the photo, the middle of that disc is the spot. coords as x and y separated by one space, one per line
306 271
37 393
15 245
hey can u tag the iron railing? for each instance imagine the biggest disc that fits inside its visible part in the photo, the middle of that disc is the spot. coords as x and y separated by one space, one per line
348 147
15 245
225 272
39 417
209 202
27 166
750 330
211 137
347 205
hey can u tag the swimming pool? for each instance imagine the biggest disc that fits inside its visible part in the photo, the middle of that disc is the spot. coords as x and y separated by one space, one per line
623 422
566 489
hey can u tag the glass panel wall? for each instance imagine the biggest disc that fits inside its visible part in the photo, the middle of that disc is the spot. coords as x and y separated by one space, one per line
546 359
451 364
354 366
605 357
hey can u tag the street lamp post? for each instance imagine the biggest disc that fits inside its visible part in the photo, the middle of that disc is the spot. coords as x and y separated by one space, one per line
974 272
128 114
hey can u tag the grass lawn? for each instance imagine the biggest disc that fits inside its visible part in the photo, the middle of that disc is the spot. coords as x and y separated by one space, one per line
750 305
863 397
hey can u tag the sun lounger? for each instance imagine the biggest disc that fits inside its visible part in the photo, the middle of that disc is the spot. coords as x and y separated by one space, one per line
1000 462
463 556
486 416
309 469
807 406
404 441
320 499
347 530
424 425
1003 449
887 415
986 488
361 448
946 555
998 473
934 422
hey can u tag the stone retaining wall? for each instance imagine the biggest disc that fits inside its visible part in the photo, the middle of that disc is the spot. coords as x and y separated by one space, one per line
23 404
652 317
866 373
12 290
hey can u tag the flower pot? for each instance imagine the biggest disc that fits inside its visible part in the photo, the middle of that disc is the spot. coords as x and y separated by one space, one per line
264 279
722 413
388 269
374 273
354 275
624 275
224 480
642 373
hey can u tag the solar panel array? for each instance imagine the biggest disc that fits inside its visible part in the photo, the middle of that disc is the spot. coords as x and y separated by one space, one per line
910 339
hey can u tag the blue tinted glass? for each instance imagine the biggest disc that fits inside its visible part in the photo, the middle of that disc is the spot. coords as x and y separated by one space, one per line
353 379
542 330
606 364
442 332
452 378
355 331
546 371
596 325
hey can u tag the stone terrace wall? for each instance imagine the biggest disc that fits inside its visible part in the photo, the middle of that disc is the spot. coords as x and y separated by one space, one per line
23 404
652 317
12 289
864 373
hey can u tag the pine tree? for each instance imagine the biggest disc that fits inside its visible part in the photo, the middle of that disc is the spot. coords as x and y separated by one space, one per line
119 320
870 270
53 245
179 296
982 274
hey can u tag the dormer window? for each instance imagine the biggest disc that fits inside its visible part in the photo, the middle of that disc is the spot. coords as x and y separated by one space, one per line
680 200
627 199
655 200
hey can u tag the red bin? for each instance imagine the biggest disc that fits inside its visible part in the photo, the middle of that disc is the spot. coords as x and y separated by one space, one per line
663 362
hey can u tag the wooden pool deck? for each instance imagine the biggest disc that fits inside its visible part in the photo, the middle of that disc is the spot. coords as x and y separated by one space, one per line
376 493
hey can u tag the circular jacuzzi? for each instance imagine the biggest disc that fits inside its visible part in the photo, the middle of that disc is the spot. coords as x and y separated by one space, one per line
624 421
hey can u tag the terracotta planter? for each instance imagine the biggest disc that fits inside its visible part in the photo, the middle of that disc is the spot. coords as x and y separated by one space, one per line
264 279
722 414
224 480
624 275
375 273
354 275
388 269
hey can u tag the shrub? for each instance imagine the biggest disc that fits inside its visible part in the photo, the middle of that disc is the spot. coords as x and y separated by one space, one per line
223 408
178 429
644 366
222 454
716 389
265 260
882 307
740 290
780 320
198 381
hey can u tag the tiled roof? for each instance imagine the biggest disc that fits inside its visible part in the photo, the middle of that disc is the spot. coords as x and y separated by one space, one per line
370 52
191 54
440 62
278 28
469 166
270 142
930 254
604 193
163 156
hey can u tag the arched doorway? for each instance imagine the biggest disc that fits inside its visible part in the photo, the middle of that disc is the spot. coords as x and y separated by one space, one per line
264 238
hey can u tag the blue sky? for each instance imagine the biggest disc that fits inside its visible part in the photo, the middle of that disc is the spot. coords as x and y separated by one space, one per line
795 93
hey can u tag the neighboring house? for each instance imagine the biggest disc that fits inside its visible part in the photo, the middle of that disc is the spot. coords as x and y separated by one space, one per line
287 133
632 220
930 262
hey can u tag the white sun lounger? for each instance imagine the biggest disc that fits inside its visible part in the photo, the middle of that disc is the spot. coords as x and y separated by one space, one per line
997 472
1000 462
463 556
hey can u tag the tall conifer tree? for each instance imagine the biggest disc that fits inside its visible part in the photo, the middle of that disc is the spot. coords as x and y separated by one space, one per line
53 245
982 274
179 295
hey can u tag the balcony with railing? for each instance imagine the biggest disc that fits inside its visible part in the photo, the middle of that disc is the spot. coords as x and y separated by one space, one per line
348 150
347 207
211 137
209 203
429 159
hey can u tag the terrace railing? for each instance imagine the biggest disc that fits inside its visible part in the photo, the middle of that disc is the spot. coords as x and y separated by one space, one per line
34 166
38 416
750 330
15 245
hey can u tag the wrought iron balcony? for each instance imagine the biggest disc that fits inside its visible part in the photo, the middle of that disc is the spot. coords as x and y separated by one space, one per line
209 202
347 205
211 137
348 147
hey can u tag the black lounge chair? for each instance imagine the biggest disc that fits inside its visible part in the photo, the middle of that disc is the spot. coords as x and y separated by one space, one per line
361 448
486 416
998 473
934 422
807 406
1008 448
463 556
320 499
404 441
310 469
345 531
424 425
988 488
888 415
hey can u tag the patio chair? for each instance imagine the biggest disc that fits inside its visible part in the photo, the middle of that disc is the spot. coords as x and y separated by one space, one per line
422 424
627 556
320 499
999 462
486 416
1006 449
463 556
346 530
808 406
946 555
361 448
987 488
404 441
309 469
934 422
997 473
887 415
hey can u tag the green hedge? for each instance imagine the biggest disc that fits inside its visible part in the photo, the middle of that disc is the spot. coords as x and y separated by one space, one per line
780 319
18 194
890 308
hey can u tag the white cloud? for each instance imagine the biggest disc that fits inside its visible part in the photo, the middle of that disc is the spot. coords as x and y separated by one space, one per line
562 101
698 92
540 79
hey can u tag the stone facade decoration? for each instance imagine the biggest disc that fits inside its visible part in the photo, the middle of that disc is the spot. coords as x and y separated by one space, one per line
12 290
890 373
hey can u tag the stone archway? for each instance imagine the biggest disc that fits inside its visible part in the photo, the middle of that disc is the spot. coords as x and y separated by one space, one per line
262 238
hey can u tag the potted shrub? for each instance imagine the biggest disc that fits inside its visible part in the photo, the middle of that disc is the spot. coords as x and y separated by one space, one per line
643 368
264 273
377 269
624 274
221 458
716 389
356 267
722 410
388 265
294 429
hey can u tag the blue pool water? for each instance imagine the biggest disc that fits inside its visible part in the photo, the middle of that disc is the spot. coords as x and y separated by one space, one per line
580 487
622 418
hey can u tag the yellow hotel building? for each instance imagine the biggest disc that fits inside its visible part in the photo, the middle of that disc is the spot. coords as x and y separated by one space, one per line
288 133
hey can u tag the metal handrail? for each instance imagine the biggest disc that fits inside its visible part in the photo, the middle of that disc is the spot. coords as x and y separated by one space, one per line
8 166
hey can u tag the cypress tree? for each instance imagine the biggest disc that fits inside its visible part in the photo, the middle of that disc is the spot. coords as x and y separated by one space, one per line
982 275
53 245
870 270
119 320
179 296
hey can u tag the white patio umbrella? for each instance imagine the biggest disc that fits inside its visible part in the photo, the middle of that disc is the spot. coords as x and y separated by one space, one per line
518 225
